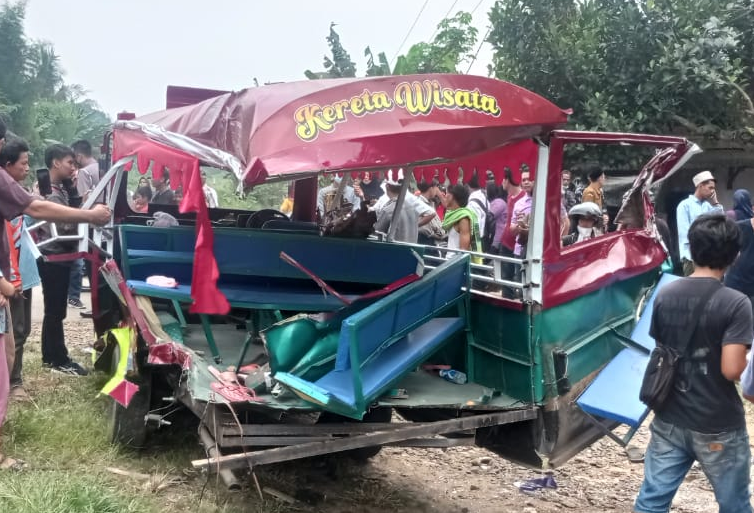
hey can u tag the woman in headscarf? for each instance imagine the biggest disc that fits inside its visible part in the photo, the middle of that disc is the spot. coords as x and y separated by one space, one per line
742 208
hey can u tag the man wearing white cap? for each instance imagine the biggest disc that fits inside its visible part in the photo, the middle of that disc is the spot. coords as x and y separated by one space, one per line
703 200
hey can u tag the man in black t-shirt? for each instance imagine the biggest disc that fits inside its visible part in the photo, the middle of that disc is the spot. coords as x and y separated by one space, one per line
703 418
162 193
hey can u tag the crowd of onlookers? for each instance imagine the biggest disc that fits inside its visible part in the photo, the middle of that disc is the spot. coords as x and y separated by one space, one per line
157 191
493 219
69 178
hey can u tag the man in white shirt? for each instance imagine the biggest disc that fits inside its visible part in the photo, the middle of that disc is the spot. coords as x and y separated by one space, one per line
210 194
703 201
478 203
414 213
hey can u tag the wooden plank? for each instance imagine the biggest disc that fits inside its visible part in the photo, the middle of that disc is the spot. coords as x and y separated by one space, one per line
411 431
344 428
278 441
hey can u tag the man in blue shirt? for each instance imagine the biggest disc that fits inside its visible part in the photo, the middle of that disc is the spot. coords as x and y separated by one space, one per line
703 200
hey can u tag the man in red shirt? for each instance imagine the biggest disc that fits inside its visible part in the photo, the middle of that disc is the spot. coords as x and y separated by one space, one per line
508 240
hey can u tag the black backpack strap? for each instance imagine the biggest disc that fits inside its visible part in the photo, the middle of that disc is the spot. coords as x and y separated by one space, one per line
708 292
479 202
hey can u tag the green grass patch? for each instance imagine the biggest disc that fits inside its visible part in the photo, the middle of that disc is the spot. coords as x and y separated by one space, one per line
64 437
63 492
65 426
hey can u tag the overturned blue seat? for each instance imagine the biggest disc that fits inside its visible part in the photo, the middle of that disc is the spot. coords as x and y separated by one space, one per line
385 341
614 393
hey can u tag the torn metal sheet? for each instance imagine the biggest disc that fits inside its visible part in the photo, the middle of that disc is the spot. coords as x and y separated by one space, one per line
119 388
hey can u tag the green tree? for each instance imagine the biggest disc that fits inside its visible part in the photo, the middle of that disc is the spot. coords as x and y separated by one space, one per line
35 101
449 49
15 100
340 65
644 65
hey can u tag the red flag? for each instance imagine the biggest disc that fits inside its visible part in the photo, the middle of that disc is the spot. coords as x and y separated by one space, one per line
207 297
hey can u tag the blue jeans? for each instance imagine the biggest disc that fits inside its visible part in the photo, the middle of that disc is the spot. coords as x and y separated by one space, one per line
77 274
724 457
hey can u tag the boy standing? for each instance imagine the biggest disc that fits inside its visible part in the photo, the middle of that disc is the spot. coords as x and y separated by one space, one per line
56 275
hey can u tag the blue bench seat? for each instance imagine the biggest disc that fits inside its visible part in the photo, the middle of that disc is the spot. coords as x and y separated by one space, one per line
377 375
250 296
614 393
252 274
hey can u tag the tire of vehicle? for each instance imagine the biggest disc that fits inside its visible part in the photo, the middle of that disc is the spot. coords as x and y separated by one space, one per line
375 415
127 425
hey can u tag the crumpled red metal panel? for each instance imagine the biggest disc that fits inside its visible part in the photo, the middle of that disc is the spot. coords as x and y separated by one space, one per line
169 353
598 263
583 268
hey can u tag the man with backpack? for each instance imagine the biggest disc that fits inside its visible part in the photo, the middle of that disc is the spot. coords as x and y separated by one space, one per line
480 205
709 326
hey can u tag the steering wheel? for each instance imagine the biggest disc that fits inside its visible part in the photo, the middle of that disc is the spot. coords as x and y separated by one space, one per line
258 218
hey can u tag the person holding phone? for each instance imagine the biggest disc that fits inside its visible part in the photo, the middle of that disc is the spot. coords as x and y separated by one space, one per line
56 275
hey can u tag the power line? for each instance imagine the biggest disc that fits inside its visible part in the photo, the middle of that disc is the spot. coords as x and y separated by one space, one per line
489 28
479 48
416 20
437 27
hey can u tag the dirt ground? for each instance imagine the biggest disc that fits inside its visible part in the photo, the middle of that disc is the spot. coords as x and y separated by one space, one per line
457 480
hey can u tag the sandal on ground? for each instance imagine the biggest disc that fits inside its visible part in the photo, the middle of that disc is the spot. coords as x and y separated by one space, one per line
20 395
13 464
635 454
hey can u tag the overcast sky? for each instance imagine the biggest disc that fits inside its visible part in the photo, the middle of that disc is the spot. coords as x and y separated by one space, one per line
126 52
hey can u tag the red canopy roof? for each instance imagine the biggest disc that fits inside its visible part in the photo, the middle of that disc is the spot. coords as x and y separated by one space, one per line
289 129
512 156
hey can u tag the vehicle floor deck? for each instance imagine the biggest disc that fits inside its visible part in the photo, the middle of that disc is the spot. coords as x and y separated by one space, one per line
229 340
422 389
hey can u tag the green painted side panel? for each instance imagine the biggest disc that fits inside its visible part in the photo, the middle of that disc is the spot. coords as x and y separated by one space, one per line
500 356
512 350
583 329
